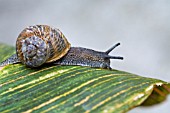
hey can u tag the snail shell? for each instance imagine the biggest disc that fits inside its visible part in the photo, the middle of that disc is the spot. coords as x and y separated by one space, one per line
40 44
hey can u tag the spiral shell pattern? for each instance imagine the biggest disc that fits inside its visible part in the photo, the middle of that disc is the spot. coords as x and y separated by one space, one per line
40 44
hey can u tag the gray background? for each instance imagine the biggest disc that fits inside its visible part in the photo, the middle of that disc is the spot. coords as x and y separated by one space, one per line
142 27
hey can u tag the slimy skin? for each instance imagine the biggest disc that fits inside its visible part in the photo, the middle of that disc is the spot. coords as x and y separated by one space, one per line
87 57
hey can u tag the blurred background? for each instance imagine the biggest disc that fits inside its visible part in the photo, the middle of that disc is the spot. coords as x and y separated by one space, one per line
141 26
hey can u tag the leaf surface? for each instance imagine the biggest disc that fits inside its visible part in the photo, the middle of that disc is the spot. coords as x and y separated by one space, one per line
74 89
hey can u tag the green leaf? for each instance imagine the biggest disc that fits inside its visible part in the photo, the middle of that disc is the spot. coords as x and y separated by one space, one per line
74 89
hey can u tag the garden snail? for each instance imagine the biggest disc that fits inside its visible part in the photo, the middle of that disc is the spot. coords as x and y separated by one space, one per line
41 44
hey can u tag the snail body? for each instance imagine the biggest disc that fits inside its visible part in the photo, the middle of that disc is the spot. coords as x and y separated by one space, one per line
41 44
87 57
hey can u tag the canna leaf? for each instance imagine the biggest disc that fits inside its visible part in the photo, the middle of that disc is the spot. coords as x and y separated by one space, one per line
74 89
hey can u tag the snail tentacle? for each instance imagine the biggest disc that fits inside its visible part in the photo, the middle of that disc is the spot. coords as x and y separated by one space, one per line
113 47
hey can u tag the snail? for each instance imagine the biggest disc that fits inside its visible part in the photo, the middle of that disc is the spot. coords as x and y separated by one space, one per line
41 44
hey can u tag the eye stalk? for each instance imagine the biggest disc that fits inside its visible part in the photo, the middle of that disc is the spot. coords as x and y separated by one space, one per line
111 49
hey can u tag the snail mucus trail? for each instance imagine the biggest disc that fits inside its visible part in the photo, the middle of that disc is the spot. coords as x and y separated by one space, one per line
41 44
